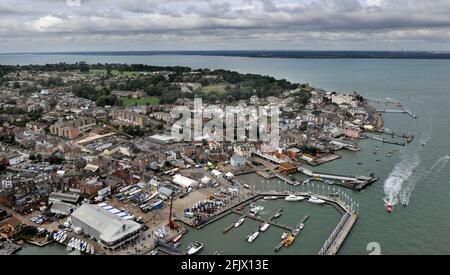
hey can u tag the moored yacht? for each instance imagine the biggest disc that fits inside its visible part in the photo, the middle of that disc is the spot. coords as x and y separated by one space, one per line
239 222
253 237
294 198
264 227
315 200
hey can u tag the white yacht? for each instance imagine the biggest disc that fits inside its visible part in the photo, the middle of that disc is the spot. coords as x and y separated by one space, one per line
265 227
253 237
239 222
195 248
315 200
255 210
294 198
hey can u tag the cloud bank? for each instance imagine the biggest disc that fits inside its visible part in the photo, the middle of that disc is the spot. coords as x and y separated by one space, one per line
58 25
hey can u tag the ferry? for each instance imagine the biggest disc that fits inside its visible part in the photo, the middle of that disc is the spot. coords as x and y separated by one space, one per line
289 241
253 237
194 248
390 208
315 200
294 198
264 227
239 222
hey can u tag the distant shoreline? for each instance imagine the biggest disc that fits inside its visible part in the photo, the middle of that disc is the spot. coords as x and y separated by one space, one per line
268 54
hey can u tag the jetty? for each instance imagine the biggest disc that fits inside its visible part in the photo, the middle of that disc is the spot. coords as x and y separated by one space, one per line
400 143
269 221
356 183
401 111
281 244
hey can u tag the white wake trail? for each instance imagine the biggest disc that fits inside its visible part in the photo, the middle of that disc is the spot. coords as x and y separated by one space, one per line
399 186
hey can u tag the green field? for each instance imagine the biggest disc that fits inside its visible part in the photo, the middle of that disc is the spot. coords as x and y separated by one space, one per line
218 89
114 72
127 102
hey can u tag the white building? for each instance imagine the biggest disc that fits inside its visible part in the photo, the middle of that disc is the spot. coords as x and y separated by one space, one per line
15 159
184 182
110 230
344 99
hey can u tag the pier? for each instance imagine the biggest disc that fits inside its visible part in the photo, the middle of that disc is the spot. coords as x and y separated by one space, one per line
302 221
269 221
356 183
402 111
387 141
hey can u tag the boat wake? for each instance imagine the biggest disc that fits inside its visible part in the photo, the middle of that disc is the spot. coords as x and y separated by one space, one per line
440 164
401 182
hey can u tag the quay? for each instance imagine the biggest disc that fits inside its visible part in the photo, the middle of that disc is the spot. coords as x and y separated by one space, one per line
387 141
9 248
402 111
356 183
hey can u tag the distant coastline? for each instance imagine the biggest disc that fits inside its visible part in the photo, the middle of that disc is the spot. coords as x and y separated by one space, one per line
271 54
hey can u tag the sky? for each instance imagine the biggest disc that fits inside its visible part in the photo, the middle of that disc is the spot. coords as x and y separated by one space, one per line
128 25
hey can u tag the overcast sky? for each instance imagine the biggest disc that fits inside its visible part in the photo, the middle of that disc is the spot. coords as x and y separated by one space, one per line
104 25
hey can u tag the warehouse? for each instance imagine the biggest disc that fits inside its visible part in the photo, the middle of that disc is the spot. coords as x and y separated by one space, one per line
184 182
108 229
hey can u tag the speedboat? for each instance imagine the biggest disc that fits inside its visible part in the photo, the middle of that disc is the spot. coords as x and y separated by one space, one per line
294 198
177 238
239 222
284 236
264 227
279 213
315 200
301 226
270 198
255 210
288 242
195 248
390 208
253 237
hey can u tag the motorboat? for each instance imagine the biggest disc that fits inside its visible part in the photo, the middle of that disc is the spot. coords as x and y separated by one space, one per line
253 237
270 198
159 234
390 208
218 253
255 210
329 182
279 213
176 245
88 248
177 238
301 226
294 198
71 243
264 227
405 203
194 248
315 200
239 222
284 236
289 241
296 232
153 252
63 238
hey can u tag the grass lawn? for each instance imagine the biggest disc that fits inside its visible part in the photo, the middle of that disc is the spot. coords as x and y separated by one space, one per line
218 89
114 72
143 101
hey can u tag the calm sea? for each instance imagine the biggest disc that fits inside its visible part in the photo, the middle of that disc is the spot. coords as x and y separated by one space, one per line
417 174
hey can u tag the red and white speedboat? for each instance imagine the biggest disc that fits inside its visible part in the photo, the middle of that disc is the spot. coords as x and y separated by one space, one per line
390 207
